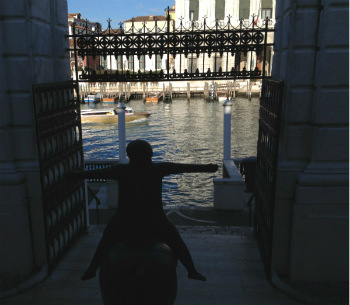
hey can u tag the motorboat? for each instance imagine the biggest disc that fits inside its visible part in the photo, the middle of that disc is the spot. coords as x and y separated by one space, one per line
109 99
152 98
93 98
109 116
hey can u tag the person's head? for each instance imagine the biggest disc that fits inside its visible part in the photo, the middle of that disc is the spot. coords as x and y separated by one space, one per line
139 151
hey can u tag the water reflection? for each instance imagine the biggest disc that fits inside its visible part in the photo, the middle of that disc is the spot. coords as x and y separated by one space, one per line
189 132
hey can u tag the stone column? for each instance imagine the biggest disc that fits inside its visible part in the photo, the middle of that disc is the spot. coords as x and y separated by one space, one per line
235 14
182 12
229 8
310 240
16 255
33 51
203 10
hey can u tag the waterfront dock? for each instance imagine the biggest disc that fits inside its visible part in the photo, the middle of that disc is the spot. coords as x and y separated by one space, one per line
167 92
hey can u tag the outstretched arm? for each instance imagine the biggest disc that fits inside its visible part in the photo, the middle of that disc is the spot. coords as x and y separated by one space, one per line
177 168
105 173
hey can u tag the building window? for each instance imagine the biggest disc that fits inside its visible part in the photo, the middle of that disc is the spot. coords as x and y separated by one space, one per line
220 9
244 8
193 9
192 64
217 63
191 15
142 62
120 62
131 62
266 12
159 62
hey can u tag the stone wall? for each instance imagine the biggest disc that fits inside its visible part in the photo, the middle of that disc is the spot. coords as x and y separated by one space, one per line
311 215
33 51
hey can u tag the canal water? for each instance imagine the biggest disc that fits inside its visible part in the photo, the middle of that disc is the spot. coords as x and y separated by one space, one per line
181 131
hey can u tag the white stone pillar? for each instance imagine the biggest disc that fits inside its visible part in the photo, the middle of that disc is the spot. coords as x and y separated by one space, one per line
227 129
203 10
121 131
235 14
254 8
211 12
229 10
182 10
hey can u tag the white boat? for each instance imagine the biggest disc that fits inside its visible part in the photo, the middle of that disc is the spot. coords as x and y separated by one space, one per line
109 116
93 98
224 98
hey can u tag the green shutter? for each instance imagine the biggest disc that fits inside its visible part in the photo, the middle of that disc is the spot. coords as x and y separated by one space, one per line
194 6
244 8
220 9
266 3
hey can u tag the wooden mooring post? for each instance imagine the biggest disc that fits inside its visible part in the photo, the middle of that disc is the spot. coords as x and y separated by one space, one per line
128 92
216 89
206 90
249 90
120 92
124 91
144 92
234 88
188 91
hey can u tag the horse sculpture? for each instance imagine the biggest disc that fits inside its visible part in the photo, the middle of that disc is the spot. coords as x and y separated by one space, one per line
139 270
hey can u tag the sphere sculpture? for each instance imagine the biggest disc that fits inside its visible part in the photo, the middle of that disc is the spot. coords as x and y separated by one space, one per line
139 270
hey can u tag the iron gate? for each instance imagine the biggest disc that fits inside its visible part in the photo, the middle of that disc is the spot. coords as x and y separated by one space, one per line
60 151
268 141
186 48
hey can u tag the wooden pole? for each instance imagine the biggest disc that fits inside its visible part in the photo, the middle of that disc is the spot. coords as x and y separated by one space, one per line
144 92
188 90
234 88
249 90
205 90
120 90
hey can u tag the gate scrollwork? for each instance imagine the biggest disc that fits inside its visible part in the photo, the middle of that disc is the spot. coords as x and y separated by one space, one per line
198 40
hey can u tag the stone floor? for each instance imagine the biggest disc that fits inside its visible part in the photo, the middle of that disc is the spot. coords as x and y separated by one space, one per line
223 248
227 256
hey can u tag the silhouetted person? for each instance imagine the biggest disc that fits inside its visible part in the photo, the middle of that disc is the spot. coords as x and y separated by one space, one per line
140 207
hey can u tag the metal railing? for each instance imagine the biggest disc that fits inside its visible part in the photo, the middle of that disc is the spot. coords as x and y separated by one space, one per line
187 50
98 164
266 167
60 149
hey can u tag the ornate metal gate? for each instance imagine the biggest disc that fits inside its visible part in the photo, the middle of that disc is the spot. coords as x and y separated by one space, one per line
60 151
268 140
186 48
